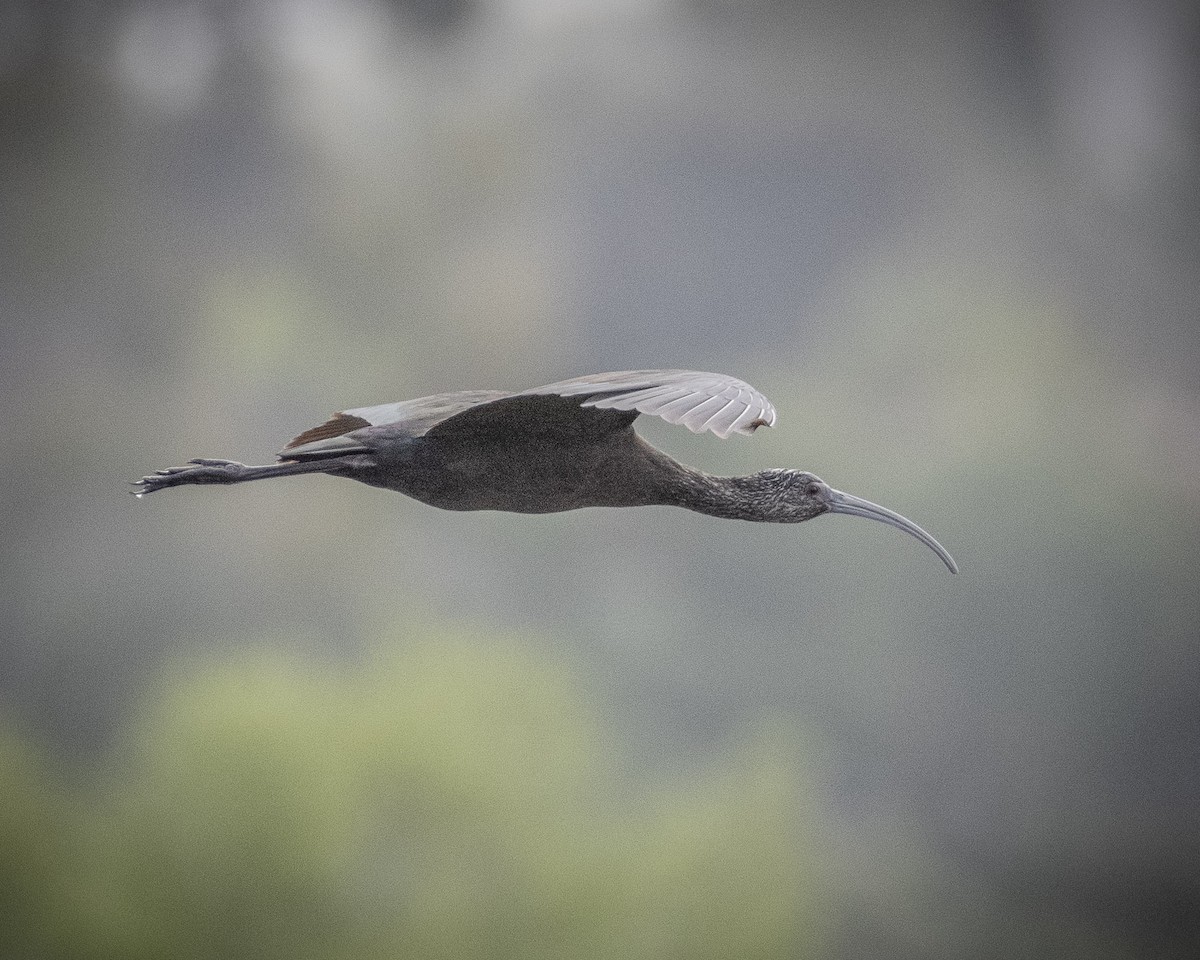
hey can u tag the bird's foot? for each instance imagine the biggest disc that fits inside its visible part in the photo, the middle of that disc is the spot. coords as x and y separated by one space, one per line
201 471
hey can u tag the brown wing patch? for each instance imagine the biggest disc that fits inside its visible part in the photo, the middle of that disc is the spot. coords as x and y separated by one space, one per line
335 426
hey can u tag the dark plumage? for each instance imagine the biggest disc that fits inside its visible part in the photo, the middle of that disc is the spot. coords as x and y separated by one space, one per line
559 447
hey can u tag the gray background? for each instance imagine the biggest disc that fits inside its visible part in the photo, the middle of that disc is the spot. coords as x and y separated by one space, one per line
956 244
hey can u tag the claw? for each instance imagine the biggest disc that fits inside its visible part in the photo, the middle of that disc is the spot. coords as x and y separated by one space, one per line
200 470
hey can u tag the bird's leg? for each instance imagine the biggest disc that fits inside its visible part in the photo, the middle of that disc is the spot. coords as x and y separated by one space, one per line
229 471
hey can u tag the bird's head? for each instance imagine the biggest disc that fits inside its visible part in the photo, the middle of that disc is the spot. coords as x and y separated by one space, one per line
792 496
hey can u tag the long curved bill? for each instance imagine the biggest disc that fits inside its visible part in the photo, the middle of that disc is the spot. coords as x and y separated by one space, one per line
858 507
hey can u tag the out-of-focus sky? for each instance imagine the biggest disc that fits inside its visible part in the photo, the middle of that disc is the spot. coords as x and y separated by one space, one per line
958 245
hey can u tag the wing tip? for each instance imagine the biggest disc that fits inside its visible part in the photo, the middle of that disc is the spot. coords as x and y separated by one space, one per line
747 429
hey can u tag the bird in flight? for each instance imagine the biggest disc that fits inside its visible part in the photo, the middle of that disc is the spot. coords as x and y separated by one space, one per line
559 447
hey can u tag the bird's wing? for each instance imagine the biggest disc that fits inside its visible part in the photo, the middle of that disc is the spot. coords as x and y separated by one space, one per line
583 406
609 401
337 435
699 401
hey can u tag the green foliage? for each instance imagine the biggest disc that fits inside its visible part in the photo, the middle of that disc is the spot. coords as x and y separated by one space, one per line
31 850
457 801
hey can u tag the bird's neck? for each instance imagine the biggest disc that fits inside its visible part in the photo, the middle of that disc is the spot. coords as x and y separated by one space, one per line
665 481
731 498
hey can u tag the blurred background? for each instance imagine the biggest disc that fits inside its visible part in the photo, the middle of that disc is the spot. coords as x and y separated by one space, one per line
956 244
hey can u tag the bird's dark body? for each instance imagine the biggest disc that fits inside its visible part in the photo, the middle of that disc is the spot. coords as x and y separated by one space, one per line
561 447
458 452
521 474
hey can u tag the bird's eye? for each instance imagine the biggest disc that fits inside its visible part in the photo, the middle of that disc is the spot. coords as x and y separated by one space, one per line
813 489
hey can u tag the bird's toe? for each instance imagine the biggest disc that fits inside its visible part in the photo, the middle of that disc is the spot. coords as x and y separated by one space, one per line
155 481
